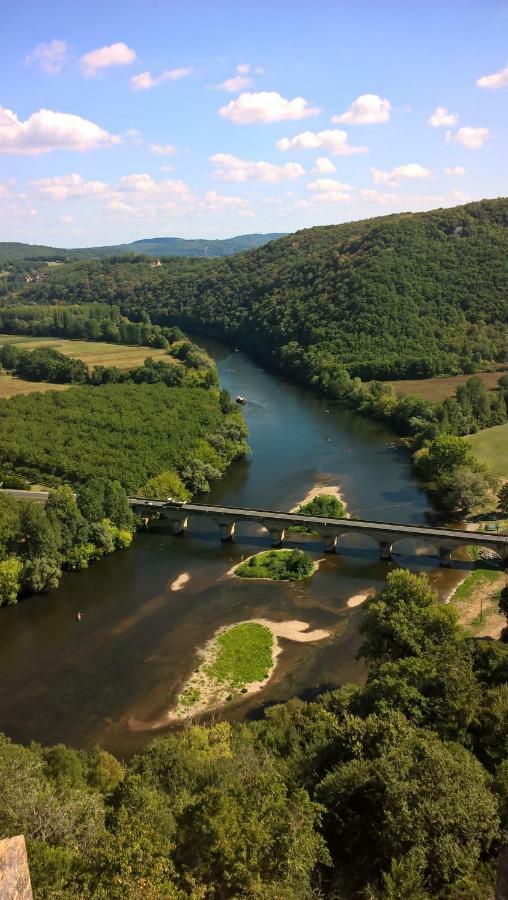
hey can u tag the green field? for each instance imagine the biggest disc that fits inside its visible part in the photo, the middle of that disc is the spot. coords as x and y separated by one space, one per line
245 655
438 389
491 446
93 353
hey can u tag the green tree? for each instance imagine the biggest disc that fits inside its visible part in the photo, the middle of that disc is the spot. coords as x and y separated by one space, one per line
41 573
464 490
503 499
167 484
10 580
398 789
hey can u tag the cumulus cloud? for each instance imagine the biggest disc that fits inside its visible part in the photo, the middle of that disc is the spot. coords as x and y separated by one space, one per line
441 117
368 109
399 174
49 58
455 170
323 166
142 183
163 149
238 82
231 168
328 184
378 197
218 201
335 140
461 197
495 81
266 107
118 54
65 187
145 80
472 138
48 130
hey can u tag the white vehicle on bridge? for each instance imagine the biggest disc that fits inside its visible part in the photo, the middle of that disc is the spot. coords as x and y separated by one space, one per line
173 502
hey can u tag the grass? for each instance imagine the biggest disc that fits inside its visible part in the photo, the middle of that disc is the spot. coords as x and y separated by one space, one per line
479 578
278 565
438 389
245 655
491 446
13 387
93 353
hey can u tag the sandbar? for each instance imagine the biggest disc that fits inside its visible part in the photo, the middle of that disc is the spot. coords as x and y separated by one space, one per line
180 582
361 597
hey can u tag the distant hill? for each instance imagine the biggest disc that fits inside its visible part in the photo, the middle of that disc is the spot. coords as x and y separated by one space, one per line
408 295
159 246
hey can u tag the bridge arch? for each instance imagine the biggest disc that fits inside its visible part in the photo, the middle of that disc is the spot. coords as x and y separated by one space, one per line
416 548
354 543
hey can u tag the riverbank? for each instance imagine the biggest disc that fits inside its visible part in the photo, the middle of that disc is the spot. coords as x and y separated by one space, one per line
206 690
476 602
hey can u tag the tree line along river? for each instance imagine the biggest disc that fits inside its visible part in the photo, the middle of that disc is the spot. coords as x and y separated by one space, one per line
110 678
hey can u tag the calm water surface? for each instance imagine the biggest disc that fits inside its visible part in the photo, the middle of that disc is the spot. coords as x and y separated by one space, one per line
91 682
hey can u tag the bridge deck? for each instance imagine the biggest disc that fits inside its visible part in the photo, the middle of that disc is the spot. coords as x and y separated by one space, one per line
278 516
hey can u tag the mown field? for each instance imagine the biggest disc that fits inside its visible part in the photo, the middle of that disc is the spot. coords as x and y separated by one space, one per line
438 389
93 353
491 446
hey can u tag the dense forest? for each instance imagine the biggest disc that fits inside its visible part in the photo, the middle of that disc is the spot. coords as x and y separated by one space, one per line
392 790
406 295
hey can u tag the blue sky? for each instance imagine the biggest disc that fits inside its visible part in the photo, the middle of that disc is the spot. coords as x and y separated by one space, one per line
121 120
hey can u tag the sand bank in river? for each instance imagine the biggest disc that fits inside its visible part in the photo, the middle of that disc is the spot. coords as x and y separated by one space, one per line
320 488
361 597
180 582
211 694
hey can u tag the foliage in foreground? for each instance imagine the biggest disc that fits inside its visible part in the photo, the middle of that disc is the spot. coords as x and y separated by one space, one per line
279 565
398 788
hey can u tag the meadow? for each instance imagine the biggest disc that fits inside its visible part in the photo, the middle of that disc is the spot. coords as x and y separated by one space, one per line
439 388
93 353
490 446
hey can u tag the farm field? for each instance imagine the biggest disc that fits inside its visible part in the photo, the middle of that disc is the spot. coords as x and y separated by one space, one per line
93 353
491 446
438 389
13 387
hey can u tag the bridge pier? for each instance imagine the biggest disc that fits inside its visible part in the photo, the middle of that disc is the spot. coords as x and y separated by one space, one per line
330 542
276 536
227 530
178 526
445 557
385 550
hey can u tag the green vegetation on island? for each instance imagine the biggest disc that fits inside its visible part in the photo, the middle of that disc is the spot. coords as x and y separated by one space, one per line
325 506
244 656
278 565
394 788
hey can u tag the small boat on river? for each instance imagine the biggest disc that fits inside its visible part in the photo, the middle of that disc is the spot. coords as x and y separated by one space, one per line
241 400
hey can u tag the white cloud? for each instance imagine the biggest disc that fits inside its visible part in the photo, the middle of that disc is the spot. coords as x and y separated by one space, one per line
135 137
143 184
64 187
47 130
400 173
50 58
495 81
368 109
455 170
266 107
328 184
238 82
441 117
461 196
334 140
377 197
231 168
218 201
145 80
323 166
167 168
163 149
472 138
6 187
118 54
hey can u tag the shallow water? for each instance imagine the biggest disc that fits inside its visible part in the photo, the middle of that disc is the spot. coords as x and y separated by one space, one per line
89 682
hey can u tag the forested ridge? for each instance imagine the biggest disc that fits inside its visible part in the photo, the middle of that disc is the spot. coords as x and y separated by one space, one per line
405 295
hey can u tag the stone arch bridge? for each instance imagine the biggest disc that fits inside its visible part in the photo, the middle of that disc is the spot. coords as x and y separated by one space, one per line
226 518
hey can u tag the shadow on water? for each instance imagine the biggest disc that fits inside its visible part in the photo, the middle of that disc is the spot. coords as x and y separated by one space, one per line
81 683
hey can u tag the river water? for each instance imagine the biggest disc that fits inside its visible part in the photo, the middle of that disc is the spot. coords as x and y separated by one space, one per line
109 678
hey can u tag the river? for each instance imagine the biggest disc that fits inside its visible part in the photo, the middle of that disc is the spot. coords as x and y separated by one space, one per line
107 679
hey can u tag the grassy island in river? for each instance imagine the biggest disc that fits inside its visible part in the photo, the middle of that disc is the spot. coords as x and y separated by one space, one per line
279 565
323 505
